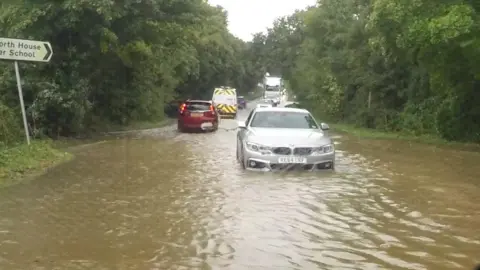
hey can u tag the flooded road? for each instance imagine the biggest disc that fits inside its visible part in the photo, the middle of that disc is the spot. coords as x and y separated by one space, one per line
163 200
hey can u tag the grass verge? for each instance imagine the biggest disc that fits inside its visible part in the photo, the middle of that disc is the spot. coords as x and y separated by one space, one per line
382 135
24 161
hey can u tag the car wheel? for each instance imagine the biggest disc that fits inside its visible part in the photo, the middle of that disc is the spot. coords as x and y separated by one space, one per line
240 157
243 161
237 154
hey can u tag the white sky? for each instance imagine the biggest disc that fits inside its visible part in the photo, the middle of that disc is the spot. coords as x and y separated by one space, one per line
247 17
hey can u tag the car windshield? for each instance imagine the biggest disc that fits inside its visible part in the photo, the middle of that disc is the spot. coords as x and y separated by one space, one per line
240 98
198 106
283 119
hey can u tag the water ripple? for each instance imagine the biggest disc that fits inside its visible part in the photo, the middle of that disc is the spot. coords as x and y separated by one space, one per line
161 200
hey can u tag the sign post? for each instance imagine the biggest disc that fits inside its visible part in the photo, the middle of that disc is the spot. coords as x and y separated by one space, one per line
20 95
24 50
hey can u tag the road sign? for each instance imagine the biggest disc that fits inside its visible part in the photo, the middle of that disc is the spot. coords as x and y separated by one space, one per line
25 50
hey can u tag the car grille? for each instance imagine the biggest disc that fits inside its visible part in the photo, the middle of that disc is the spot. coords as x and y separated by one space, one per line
282 151
292 167
303 151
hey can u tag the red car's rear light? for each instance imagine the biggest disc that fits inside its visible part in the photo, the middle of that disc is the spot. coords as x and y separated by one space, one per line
211 112
183 109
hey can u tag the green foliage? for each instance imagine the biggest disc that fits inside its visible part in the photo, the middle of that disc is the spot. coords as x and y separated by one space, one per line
118 61
9 128
411 66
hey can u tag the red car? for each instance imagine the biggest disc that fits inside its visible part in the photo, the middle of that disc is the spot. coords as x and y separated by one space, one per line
198 115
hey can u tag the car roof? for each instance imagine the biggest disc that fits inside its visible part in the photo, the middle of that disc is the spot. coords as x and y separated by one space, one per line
199 101
281 109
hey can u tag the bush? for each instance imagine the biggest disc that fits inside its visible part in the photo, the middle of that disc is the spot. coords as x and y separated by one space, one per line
10 130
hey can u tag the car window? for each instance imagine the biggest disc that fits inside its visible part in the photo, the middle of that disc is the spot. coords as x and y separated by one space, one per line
198 106
281 119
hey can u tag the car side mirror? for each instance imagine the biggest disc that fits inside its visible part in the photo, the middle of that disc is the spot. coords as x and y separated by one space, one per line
241 124
324 126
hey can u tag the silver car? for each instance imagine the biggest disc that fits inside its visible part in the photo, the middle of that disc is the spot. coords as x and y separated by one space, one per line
283 138
269 101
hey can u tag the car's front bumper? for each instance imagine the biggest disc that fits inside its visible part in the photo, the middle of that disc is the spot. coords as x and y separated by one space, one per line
259 162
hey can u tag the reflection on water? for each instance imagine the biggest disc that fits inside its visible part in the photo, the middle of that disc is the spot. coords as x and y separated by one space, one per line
184 203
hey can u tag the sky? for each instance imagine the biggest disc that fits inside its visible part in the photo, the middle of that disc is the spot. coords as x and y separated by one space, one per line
247 17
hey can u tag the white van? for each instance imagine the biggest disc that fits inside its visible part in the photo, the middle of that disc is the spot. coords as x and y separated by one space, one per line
225 99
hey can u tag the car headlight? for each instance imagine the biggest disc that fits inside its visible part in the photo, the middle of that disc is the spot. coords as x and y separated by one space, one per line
326 149
258 148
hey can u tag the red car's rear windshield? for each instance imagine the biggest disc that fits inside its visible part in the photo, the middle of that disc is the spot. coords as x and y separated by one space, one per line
197 106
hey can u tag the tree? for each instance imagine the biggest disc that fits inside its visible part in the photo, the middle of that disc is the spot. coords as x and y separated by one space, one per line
119 61
410 66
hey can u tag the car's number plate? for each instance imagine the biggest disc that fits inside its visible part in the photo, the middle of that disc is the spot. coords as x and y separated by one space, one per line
197 114
206 125
292 160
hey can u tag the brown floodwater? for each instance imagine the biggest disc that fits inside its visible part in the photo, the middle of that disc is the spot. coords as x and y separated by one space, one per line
162 200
